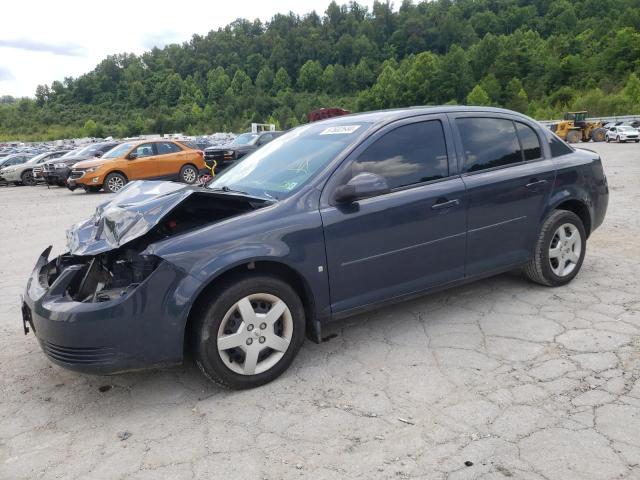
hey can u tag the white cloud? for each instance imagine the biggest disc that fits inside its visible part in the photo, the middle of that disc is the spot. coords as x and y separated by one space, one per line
45 41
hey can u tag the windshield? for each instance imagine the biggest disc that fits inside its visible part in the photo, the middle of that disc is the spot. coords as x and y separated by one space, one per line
119 151
37 158
245 139
282 166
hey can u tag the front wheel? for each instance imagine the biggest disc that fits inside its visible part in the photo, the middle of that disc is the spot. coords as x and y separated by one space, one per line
559 250
114 182
188 174
27 178
249 333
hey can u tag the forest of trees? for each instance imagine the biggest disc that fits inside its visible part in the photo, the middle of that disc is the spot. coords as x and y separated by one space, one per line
540 57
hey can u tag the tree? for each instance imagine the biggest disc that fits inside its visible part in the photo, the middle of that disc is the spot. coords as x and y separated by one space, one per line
632 89
264 79
282 80
516 96
309 76
478 96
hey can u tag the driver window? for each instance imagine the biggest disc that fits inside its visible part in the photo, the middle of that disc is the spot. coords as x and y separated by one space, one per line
144 150
408 155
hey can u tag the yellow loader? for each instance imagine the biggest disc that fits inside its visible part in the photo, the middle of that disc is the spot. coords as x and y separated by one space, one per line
575 128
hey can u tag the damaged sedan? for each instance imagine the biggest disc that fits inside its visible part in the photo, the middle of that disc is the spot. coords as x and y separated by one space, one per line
332 218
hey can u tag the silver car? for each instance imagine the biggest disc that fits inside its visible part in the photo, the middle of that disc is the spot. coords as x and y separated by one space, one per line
22 173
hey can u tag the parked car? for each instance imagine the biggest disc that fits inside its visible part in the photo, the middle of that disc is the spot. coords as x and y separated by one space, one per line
57 171
622 133
22 174
331 219
38 170
158 159
10 161
242 145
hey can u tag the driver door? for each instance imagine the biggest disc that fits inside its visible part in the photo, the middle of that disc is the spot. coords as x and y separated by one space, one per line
145 163
408 240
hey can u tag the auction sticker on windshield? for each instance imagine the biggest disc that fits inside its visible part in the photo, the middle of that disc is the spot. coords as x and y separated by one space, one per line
342 129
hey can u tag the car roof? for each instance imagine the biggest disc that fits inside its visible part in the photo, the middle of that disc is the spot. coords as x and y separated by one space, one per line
385 116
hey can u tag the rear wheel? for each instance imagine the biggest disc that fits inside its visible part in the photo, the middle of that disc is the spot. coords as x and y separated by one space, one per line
559 250
249 333
114 182
188 174
573 136
27 178
618 139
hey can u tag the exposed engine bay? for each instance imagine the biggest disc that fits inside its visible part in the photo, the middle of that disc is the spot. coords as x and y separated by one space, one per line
115 272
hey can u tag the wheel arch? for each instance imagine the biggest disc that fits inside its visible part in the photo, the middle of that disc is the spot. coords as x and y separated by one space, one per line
116 171
251 267
578 207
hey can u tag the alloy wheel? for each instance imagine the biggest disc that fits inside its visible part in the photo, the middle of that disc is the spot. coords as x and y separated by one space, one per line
189 175
115 184
255 333
565 250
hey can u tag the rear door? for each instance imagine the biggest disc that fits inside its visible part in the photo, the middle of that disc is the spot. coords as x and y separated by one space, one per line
170 159
145 163
404 241
508 180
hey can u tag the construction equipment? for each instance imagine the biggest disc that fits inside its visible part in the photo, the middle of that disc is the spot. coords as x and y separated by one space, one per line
575 128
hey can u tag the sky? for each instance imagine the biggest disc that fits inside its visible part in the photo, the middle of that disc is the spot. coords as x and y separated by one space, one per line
42 41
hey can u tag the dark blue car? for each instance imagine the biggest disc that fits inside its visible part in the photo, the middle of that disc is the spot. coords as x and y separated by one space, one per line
328 220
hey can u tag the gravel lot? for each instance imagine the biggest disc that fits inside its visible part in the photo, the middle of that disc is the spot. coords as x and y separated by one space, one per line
497 379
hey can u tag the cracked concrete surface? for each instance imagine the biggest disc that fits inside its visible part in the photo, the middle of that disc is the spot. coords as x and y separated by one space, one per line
498 379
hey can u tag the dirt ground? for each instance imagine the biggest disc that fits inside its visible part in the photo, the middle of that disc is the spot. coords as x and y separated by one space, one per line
497 379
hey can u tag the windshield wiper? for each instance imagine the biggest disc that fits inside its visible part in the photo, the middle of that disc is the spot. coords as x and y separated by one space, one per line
229 190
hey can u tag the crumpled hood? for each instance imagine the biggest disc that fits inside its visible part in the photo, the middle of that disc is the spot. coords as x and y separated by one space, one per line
135 210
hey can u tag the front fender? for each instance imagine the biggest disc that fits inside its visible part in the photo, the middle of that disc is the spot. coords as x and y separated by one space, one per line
293 239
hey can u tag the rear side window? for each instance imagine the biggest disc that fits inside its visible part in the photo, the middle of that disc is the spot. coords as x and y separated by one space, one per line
410 154
488 143
529 141
167 147
557 146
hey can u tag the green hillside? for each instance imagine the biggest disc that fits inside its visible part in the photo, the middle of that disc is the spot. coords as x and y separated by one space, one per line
540 57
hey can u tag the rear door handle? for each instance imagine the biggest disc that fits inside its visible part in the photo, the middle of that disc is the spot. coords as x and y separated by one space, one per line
534 182
444 203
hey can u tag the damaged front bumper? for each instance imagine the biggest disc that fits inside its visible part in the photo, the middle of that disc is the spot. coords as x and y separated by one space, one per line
86 318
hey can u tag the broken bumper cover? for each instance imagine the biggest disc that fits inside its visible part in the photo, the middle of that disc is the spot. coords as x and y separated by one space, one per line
143 328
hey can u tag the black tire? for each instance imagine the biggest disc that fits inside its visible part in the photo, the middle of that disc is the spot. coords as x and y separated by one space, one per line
27 178
608 139
538 269
204 332
188 174
618 139
637 141
573 136
598 134
114 182
61 184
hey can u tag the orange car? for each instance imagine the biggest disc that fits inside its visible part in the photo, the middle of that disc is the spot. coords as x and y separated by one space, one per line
139 160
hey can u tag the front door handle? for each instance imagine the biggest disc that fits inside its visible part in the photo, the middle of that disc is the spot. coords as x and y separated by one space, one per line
444 203
534 183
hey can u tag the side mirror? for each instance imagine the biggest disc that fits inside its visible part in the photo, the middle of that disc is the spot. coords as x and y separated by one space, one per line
361 186
132 156
98 154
